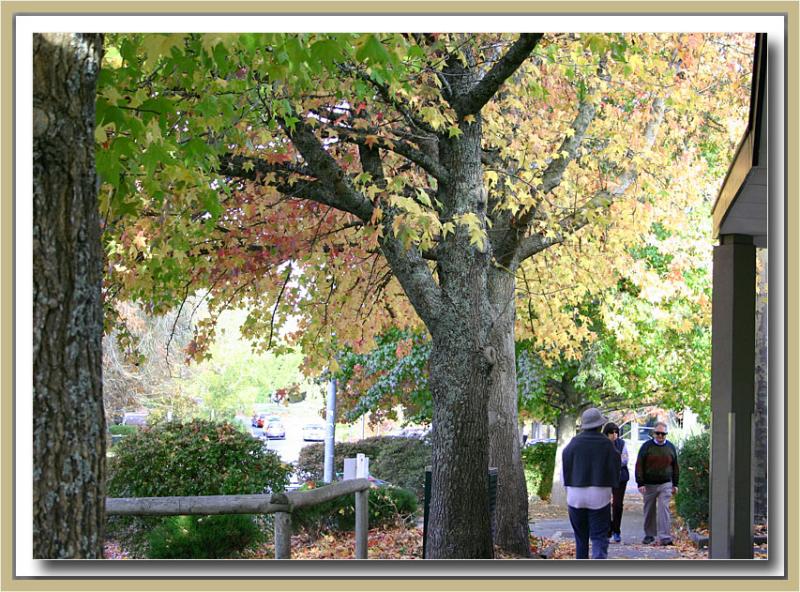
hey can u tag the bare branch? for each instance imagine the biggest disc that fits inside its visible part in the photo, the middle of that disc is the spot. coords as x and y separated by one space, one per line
277 302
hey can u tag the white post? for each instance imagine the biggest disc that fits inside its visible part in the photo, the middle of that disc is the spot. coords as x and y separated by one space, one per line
362 508
330 427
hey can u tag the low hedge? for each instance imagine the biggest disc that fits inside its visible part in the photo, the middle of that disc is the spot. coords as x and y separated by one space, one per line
539 462
122 430
400 461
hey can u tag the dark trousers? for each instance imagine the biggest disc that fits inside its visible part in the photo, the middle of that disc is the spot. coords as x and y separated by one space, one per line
590 525
617 495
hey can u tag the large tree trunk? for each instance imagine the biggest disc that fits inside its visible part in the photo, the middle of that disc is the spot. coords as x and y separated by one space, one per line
459 510
460 367
511 510
68 421
761 442
566 431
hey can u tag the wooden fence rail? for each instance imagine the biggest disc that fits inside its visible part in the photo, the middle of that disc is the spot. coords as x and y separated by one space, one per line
280 504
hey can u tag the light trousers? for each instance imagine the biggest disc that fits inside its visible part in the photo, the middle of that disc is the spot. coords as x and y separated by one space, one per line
657 519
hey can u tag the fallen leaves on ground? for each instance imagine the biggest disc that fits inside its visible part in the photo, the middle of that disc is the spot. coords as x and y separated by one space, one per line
113 550
401 542
386 543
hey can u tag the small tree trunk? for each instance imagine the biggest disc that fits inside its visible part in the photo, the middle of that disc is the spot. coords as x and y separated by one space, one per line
566 431
69 435
511 510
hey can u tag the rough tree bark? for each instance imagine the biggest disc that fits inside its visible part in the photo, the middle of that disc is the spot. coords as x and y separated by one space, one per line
69 427
511 509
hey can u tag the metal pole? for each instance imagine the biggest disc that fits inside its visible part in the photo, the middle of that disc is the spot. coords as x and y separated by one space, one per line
330 426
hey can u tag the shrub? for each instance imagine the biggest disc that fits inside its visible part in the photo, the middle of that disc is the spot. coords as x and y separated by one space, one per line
202 537
691 501
539 462
122 430
197 458
388 505
400 461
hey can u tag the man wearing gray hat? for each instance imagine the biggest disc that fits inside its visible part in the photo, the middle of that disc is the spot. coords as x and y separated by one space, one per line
591 467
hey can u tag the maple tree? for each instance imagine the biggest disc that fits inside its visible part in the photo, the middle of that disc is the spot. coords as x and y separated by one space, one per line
352 181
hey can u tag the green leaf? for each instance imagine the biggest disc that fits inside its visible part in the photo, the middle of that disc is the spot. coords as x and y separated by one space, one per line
325 52
372 51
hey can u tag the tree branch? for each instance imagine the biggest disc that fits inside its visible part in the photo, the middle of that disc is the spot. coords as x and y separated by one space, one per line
508 241
394 102
602 199
236 165
400 147
407 263
483 91
344 196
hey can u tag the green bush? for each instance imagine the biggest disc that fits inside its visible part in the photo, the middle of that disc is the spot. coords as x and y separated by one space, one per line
691 501
197 458
202 537
122 430
387 505
400 461
539 462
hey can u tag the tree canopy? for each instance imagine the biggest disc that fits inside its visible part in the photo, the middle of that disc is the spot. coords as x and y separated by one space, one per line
204 185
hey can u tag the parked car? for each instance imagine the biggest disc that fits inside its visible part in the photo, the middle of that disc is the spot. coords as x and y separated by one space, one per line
258 420
136 419
274 430
314 432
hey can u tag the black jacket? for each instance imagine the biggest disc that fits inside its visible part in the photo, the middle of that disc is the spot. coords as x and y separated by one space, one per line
591 460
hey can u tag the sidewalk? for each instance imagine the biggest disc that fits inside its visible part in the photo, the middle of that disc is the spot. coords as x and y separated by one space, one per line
632 533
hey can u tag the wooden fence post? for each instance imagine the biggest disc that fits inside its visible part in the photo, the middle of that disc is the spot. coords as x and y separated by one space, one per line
362 508
283 535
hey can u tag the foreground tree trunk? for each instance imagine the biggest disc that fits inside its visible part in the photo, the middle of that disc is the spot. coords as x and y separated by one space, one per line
511 510
68 421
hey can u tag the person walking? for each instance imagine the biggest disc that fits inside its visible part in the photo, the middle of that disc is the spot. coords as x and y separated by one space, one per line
657 475
590 469
611 431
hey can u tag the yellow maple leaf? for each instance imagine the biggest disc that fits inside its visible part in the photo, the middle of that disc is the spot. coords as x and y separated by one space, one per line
140 241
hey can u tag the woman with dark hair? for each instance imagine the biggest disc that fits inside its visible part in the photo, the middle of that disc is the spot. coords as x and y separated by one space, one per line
617 493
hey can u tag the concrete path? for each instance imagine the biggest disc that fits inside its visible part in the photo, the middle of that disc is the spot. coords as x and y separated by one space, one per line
632 532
